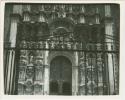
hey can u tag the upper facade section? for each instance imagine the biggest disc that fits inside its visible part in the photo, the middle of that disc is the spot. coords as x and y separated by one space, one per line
77 13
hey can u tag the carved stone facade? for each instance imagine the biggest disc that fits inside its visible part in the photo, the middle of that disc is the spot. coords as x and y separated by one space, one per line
84 34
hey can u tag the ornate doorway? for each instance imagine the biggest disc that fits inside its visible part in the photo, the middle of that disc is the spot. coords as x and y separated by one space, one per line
60 76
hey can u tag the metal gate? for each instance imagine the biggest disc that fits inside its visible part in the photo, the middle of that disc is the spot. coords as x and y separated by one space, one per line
94 64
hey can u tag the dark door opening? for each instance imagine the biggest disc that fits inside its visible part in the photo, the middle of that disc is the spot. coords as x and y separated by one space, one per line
66 88
54 89
60 76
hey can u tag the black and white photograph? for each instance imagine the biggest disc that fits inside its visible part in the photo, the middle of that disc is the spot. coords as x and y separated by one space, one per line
67 49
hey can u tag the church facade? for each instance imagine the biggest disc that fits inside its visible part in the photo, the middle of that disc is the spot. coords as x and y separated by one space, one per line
61 49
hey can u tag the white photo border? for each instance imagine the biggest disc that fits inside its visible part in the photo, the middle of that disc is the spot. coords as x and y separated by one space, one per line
121 95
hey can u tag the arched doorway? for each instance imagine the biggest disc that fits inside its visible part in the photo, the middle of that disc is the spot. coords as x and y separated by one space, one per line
60 76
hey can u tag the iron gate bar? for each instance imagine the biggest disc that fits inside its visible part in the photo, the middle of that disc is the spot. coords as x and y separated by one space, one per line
102 75
91 74
85 75
97 75
17 53
107 72
113 72
11 70
106 78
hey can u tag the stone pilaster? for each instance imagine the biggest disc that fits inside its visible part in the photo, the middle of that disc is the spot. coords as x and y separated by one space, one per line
110 61
11 58
75 75
74 80
46 72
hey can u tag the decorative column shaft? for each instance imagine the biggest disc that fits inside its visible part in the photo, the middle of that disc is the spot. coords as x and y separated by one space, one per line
109 32
11 56
75 76
46 72
10 65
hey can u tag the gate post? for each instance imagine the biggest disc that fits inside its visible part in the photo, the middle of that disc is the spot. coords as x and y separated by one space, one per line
46 72
10 64
110 61
74 80
75 76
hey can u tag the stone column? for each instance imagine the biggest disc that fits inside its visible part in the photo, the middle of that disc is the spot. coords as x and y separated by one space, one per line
75 75
11 56
46 72
74 80
109 32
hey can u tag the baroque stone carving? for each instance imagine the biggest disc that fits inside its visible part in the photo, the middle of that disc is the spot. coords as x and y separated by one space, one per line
20 88
30 71
38 89
29 87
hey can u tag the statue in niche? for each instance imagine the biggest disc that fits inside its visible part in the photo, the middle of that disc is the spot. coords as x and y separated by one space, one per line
22 73
82 71
39 66
40 44
29 88
31 58
30 67
23 44
39 58
39 61
39 73
23 60
82 77
29 71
